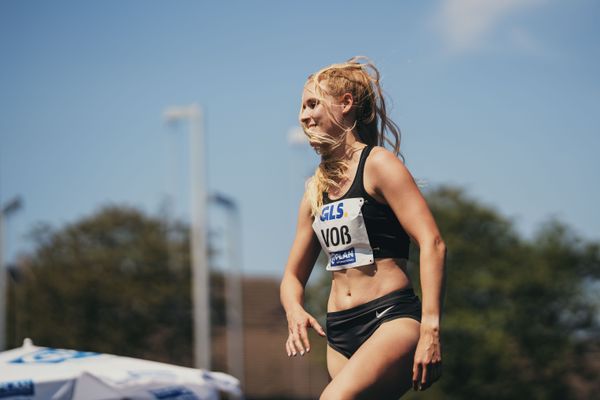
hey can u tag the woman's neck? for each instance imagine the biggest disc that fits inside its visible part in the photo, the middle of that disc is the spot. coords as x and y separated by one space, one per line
349 148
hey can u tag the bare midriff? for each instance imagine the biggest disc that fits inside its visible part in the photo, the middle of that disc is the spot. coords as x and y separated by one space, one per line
354 286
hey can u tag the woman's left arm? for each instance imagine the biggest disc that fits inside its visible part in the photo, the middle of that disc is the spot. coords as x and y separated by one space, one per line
392 181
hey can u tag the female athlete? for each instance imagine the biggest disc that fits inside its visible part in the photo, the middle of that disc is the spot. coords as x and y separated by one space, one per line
362 208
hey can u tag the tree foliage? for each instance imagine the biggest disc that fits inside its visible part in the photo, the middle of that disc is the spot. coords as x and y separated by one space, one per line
116 282
519 315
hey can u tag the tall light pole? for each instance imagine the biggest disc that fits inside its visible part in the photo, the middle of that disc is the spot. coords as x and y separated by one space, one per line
5 211
198 243
233 289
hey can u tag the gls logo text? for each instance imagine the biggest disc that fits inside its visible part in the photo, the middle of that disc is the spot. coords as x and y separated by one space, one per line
332 212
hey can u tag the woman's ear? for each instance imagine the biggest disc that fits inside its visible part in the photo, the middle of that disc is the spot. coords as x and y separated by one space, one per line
347 103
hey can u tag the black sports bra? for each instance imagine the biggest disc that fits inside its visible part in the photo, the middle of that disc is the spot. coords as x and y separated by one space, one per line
356 211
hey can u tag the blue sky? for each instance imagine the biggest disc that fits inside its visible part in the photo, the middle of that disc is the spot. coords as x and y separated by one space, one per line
501 98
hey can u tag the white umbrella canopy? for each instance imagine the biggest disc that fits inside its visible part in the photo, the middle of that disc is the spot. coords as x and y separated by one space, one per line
35 373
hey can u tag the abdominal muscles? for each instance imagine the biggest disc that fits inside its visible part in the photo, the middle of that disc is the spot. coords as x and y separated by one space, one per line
354 286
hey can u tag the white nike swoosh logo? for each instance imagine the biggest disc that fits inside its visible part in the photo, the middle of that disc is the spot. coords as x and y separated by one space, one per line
380 314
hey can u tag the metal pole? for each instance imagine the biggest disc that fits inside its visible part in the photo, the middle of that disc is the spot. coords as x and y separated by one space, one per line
198 245
233 290
235 310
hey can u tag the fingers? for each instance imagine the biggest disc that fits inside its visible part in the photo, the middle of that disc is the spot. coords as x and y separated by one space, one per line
298 341
289 347
292 347
297 338
416 376
290 344
424 375
317 327
303 335
295 342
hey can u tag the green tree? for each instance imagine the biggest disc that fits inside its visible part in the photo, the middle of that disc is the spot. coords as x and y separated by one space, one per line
116 282
514 307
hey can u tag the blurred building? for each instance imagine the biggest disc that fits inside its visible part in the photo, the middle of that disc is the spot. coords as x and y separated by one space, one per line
269 372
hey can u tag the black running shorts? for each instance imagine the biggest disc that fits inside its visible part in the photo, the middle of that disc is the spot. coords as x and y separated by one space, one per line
348 329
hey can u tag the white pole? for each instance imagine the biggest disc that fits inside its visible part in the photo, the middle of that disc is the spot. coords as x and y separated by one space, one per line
198 243
234 301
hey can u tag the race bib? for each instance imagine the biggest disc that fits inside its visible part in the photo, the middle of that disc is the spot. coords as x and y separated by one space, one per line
343 235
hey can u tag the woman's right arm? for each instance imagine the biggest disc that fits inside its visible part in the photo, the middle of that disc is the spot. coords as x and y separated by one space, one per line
301 261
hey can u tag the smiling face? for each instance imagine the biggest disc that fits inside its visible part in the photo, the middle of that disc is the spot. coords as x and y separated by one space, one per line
323 116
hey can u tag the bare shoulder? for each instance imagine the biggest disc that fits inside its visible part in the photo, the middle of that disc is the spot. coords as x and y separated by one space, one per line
386 175
383 165
380 154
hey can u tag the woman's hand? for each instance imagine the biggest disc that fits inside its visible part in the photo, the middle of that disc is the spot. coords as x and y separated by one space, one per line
298 321
427 367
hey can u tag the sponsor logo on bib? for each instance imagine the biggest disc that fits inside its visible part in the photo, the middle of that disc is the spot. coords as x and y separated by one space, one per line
333 211
343 257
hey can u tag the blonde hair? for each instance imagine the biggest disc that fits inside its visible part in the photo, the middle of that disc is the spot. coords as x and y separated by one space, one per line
374 127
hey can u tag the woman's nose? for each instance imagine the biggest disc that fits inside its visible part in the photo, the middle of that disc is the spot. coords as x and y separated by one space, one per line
305 116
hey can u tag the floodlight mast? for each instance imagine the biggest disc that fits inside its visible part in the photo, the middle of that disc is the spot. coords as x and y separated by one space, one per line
198 237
